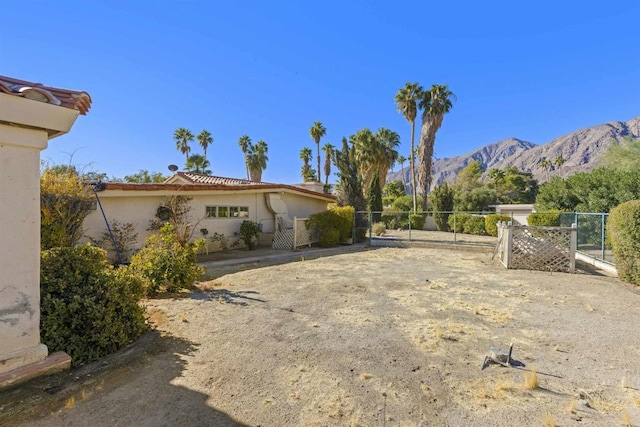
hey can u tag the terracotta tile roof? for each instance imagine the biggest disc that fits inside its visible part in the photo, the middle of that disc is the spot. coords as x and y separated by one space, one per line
72 99
127 186
195 178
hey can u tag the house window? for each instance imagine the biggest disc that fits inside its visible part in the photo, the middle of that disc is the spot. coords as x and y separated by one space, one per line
211 211
226 212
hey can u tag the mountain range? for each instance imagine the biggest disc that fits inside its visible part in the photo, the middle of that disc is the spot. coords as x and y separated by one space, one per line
581 150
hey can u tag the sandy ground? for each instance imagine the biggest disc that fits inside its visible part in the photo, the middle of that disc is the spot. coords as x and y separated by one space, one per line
384 337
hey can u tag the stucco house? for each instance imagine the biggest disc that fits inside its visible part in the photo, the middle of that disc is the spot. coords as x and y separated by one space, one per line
218 205
30 115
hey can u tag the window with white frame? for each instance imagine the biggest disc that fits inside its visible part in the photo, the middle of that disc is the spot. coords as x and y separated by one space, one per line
226 211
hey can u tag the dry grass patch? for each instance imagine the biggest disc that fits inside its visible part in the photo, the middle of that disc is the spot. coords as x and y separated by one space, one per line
571 407
626 419
531 380
549 420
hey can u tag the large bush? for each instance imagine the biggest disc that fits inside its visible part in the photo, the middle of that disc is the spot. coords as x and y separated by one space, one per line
417 221
459 220
167 264
491 223
333 226
623 227
88 308
442 198
548 219
474 225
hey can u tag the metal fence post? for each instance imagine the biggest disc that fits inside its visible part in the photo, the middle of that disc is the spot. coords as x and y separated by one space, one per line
370 227
573 247
602 235
410 225
295 233
454 227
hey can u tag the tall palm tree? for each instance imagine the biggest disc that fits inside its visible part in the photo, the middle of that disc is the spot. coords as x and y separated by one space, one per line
205 140
183 137
389 141
406 100
317 131
558 162
545 164
401 159
328 158
305 156
257 160
375 152
434 103
198 164
245 142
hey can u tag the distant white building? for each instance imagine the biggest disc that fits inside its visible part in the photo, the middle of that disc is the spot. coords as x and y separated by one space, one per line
518 212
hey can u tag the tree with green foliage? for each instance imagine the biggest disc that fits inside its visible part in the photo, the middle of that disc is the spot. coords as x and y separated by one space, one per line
257 160
198 163
477 200
624 155
205 140
597 191
393 189
401 159
434 103
183 138
545 164
558 162
317 131
307 173
328 159
144 176
350 184
442 198
64 204
248 234
406 100
374 198
244 143
515 186
469 177
375 153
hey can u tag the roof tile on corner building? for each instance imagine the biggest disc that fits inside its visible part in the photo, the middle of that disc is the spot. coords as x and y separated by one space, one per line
195 178
75 100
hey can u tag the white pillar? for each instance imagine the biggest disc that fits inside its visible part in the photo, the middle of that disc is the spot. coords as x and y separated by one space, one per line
20 246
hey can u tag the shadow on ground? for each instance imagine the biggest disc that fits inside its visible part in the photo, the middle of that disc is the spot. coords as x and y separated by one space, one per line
95 394
228 297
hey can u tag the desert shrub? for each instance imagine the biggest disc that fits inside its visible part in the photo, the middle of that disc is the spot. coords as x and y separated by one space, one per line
248 234
125 237
378 229
388 200
442 198
417 221
459 220
88 308
491 223
549 219
64 204
405 203
332 226
167 264
474 225
623 228
394 219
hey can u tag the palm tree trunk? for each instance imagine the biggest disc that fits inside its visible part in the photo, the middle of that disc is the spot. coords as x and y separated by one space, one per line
319 173
413 167
425 153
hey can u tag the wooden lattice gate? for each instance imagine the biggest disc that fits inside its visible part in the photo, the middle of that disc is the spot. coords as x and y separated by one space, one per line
296 237
537 248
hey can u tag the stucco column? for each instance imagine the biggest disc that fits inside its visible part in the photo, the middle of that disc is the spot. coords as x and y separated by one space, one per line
20 246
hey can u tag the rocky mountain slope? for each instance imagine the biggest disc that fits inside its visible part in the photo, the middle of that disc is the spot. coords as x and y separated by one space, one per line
581 151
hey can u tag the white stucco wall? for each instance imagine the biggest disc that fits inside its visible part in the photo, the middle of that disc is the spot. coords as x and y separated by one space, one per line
139 207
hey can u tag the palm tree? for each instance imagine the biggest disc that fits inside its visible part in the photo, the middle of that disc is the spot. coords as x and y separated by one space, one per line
205 139
375 152
198 164
406 99
305 156
245 142
317 131
328 158
401 159
389 141
257 160
183 137
435 103
545 165
558 162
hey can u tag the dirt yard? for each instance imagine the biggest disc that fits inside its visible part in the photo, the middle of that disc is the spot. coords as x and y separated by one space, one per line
383 337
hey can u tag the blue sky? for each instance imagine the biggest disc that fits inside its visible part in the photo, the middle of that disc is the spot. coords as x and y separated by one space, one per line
269 69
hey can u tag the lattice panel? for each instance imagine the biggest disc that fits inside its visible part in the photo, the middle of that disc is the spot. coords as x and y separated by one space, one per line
303 236
283 239
544 249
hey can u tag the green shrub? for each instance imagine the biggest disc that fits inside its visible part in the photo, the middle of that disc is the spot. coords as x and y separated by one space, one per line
417 221
474 225
623 228
167 264
88 308
405 203
338 219
248 233
491 223
459 220
378 229
550 219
